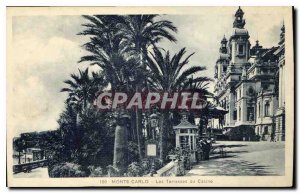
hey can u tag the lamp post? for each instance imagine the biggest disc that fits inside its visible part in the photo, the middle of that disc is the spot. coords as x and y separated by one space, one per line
153 124
151 146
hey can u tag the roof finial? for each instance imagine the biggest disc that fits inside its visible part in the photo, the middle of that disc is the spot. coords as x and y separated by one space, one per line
239 22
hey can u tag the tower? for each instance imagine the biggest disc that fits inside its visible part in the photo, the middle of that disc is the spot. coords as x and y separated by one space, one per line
239 41
223 48
282 35
223 61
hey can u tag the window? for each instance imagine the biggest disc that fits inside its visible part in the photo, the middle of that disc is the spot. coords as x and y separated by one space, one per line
267 108
241 49
234 114
224 68
235 96
239 113
250 114
266 131
250 91
259 110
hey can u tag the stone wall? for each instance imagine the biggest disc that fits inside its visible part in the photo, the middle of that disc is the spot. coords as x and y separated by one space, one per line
173 168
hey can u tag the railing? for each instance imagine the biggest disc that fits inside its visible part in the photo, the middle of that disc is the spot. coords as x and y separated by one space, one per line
27 167
173 168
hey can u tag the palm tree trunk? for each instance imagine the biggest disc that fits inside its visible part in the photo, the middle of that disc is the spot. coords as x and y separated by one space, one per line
77 121
19 161
139 133
120 161
164 127
133 126
77 129
139 112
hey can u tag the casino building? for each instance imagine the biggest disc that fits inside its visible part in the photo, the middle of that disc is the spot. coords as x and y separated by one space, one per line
250 86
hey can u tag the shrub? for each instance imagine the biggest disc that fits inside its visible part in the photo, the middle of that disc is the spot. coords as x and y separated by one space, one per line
67 170
133 152
113 172
134 170
95 171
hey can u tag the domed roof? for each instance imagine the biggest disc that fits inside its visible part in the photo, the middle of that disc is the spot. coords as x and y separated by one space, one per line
240 32
239 12
224 40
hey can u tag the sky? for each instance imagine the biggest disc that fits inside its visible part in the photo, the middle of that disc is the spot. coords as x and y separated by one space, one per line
46 50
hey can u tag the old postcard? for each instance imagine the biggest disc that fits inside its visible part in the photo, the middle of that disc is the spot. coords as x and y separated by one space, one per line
150 96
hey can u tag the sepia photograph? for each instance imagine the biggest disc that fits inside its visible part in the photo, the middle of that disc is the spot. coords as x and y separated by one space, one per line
150 97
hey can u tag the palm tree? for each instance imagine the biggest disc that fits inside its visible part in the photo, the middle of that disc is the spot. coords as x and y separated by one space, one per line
171 74
106 47
82 89
139 33
106 51
69 131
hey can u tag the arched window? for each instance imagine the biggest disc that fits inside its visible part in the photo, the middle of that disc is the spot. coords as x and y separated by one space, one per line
267 108
251 91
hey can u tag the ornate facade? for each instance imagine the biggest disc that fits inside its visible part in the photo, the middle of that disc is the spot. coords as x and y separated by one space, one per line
250 85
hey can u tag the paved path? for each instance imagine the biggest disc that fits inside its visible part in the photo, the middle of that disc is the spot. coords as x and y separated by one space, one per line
244 159
35 173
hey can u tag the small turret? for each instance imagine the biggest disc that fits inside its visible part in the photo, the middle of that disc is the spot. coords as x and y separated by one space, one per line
239 22
256 49
223 48
282 35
